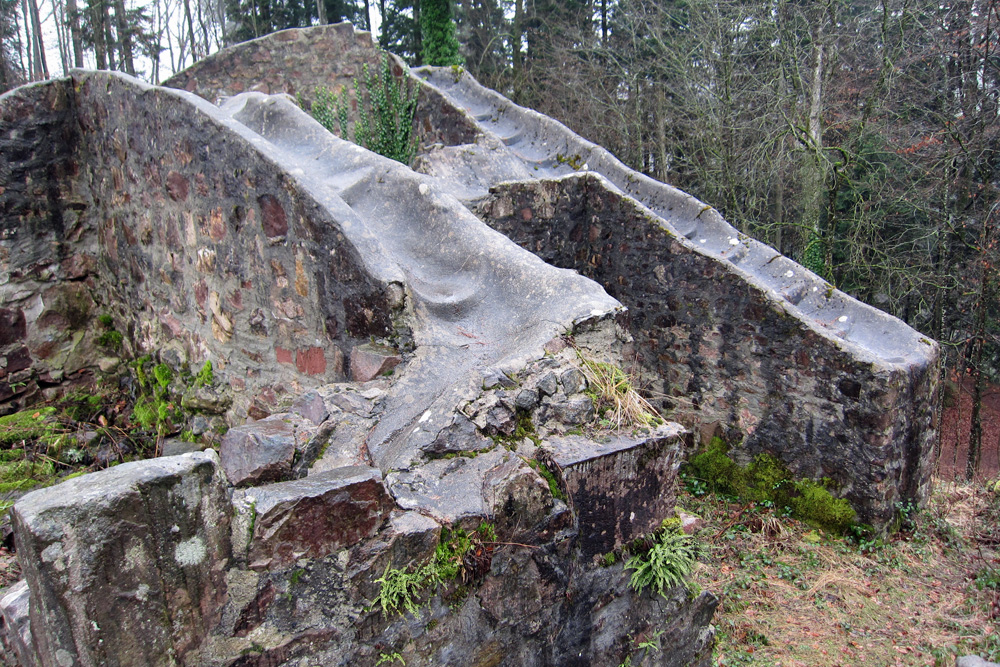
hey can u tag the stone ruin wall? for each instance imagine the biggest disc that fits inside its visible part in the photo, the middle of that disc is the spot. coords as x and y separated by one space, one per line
128 205
296 62
48 252
728 359
117 199
146 217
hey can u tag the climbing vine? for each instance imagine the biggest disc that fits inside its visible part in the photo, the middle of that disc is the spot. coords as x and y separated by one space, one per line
386 107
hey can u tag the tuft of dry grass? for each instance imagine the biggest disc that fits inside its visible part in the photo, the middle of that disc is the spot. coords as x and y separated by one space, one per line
793 596
616 399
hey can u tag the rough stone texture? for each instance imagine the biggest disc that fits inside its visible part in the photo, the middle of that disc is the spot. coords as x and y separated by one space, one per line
620 487
461 436
264 451
179 245
741 339
294 62
152 536
46 291
973 661
368 362
15 609
315 516
452 491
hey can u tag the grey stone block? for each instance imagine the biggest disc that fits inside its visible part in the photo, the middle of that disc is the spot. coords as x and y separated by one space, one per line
620 487
125 565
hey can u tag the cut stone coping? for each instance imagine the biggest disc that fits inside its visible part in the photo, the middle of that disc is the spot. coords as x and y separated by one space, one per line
522 144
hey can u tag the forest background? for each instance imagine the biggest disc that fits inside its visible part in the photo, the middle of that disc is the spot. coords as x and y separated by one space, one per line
860 138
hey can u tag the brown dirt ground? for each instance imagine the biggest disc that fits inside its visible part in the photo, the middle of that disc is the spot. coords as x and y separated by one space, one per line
795 598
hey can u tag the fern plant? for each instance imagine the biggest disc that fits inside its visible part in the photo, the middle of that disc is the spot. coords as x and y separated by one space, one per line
667 563
399 590
386 108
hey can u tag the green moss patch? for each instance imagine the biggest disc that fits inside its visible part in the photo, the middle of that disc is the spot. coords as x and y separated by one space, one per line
548 476
767 480
28 425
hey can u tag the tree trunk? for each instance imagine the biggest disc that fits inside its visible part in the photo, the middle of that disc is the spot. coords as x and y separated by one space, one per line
418 42
124 38
517 58
109 37
41 68
604 22
62 37
368 16
76 36
321 12
190 26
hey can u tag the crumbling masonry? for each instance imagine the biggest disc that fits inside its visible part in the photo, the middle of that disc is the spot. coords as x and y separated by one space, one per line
382 354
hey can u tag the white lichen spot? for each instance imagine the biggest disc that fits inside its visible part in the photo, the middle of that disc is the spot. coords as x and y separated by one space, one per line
190 552
815 289
134 557
423 188
842 318
424 417
64 658
142 592
734 241
703 241
52 552
789 273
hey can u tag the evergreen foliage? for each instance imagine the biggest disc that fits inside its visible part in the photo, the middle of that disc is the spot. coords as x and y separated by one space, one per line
386 108
437 31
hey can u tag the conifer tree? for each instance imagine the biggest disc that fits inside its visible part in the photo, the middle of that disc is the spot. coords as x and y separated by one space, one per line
437 29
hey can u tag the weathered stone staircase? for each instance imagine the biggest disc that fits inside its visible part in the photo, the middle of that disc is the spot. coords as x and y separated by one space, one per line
406 371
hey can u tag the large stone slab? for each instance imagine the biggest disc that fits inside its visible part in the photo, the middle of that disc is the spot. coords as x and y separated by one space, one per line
621 486
126 565
315 516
